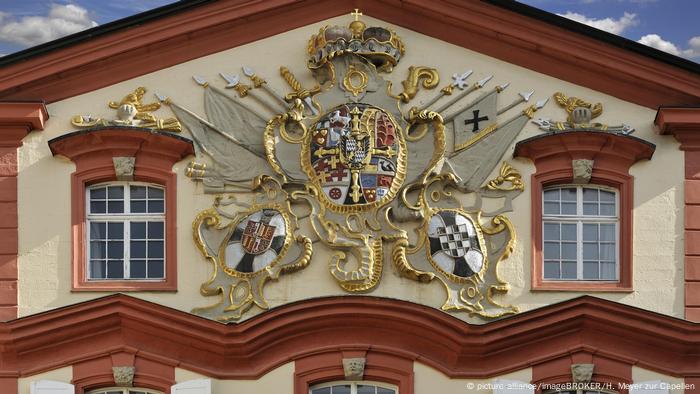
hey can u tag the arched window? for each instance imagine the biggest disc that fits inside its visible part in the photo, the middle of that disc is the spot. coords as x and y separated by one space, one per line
126 231
345 387
121 390
580 233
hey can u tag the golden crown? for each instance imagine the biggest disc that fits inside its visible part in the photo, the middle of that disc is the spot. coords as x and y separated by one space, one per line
380 45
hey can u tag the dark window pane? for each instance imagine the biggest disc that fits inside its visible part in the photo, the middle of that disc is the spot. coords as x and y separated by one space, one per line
137 269
116 207
155 269
551 250
97 250
381 390
568 194
98 207
97 230
138 249
551 195
551 231
568 208
157 206
590 270
568 269
365 389
138 230
115 269
607 209
115 192
115 230
551 270
608 271
155 192
344 389
590 232
155 230
155 249
607 196
607 232
115 249
138 206
97 269
568 232
568 251
324 390
590 208
138 192
590 195
590 251
98 193
607 252
551 208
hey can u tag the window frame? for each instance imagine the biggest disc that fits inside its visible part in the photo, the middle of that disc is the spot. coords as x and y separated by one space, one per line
93 152
353 384
125 217
579 218
123 390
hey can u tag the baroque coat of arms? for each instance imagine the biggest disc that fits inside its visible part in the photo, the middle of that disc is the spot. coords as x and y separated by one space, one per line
376 178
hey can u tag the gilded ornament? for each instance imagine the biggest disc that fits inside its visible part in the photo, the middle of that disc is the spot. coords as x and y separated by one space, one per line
131 111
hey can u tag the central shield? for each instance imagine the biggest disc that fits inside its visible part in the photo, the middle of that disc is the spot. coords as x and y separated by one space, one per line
356 155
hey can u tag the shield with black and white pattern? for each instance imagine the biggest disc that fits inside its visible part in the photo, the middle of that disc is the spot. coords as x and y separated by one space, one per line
454 244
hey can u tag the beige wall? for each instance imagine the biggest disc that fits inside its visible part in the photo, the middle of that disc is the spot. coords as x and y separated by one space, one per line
64 375
429 380
44 221
640 375
279 380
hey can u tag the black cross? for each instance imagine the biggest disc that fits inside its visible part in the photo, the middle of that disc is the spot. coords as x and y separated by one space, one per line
475 120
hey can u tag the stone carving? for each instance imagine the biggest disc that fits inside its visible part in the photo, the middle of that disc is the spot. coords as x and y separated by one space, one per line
580 116
123 376
348 166
581 373
124 168
131 111
354 368
582 170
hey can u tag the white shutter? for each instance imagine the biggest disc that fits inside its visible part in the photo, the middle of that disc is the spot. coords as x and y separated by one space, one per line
197 386
51 387
507 386
650 387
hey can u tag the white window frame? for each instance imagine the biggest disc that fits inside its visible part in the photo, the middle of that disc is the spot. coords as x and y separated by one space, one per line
579 219
125 218
353 385
123 390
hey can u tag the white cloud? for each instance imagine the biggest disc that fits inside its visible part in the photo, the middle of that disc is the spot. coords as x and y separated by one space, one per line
615 26
655 41
62 20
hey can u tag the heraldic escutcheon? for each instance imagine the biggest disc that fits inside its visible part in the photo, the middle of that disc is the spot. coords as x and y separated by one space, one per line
351 170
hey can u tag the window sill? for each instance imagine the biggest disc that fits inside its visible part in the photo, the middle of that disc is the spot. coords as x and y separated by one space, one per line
579 286
124 286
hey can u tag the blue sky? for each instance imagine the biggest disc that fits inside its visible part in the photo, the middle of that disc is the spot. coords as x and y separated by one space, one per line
669 25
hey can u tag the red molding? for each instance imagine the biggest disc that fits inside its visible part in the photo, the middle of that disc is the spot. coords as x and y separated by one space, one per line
613 155
612 373
684 124
150 372
214 27
400 329
16 121
92 151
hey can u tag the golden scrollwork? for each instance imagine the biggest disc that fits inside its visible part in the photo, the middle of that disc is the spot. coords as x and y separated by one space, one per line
131 111
430 79
355 81
571 103
506 174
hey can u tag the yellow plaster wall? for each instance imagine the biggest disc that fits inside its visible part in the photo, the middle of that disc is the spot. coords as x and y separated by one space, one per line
279 380
64 375
640 375
44 185
429 380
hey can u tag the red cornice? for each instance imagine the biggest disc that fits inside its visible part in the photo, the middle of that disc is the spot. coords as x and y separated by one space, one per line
250 349
475 25
681 122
